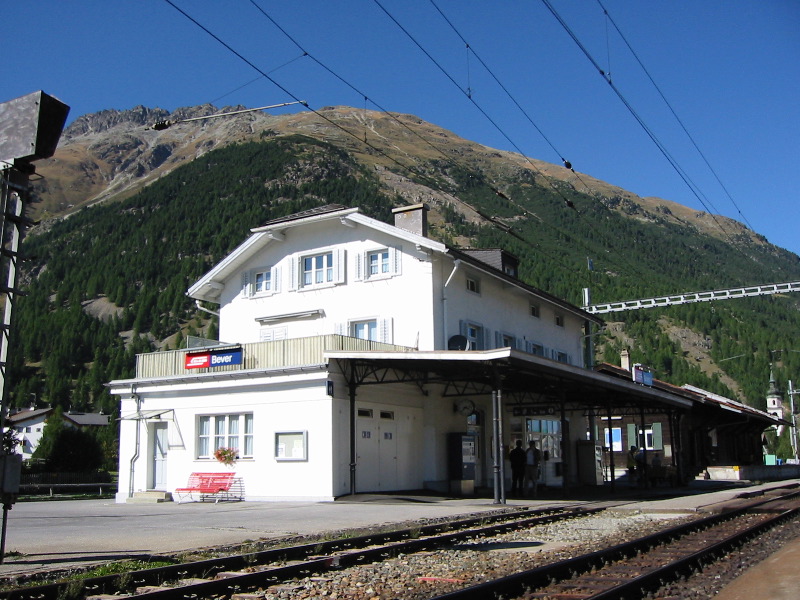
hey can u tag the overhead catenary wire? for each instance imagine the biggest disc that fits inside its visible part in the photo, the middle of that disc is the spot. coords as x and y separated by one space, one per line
672 110
606 76
489 218
494 123
421 175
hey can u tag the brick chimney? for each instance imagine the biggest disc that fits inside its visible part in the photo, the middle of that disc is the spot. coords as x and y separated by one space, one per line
413 218
625 360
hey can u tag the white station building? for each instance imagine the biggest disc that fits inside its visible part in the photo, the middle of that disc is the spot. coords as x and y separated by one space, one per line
358 356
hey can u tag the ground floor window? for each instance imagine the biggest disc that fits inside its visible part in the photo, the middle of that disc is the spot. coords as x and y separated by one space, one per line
225 431
547 435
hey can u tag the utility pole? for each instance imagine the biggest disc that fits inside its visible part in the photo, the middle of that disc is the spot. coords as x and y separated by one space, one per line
793 436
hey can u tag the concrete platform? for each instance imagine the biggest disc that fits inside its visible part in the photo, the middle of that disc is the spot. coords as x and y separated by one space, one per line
44 536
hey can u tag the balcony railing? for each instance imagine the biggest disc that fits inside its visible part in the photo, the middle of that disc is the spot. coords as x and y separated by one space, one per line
296 352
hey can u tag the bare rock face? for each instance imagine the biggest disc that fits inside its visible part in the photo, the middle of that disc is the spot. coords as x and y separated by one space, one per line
113 154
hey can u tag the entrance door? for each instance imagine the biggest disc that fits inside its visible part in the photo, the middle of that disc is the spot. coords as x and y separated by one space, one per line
159 456
387 453
367 452
376 451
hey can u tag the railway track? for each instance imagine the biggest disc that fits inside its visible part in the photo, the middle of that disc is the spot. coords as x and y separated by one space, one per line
620 571
633 569
221 577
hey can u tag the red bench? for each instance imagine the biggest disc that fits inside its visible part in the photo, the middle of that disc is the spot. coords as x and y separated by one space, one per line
220 486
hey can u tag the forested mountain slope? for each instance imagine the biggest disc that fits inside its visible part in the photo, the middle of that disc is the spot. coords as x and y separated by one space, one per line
110 280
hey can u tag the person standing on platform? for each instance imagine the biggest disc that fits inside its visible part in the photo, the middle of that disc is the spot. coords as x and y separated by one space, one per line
532 458
518 458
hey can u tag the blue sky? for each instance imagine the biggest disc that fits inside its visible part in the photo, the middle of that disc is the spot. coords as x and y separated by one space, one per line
730 69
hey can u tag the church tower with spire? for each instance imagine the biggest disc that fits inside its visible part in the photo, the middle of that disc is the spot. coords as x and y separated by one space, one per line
774 399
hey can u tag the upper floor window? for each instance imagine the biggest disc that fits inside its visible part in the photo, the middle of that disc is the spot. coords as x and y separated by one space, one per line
560 320
378 263
562 357
505 340
535 348
535 310
318 269
260 281
474 285
379 329
474 333
263 282
365 330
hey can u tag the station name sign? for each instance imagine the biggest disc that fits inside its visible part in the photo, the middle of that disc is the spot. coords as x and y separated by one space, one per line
642 374
211 359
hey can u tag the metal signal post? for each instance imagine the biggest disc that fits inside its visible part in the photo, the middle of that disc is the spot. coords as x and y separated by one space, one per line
30 127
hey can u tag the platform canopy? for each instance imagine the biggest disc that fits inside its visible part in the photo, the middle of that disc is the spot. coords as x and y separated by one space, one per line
524 379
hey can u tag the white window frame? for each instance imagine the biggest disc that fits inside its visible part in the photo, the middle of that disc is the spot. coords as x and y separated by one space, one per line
473 285
388 263
331 274
535 348
384 327
559 320
503 340
371 329
250 287
561 356
378 263
316 270
235 430
535 310
476 340
262 282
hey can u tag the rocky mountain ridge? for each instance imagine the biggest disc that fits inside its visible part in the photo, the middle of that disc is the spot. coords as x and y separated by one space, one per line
112 154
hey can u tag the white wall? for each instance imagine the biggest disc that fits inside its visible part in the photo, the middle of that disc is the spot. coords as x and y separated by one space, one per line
405 298
501 307
278 404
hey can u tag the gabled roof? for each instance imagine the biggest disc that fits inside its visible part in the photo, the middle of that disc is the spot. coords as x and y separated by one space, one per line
27 415
476 263
698 395
79 419
211 284
86 419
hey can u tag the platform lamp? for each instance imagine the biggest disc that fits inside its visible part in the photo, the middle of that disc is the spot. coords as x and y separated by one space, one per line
30 127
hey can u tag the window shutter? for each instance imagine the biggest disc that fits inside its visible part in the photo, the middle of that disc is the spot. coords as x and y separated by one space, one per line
396 260
276 279
247 290
633 437
482 335
658 442
339 270
498 339
294 273
385 330
361 260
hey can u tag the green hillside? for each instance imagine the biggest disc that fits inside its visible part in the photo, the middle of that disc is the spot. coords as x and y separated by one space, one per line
110 281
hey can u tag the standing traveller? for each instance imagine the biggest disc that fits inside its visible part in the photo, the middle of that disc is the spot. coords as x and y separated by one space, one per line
632 465
518 458
532 457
